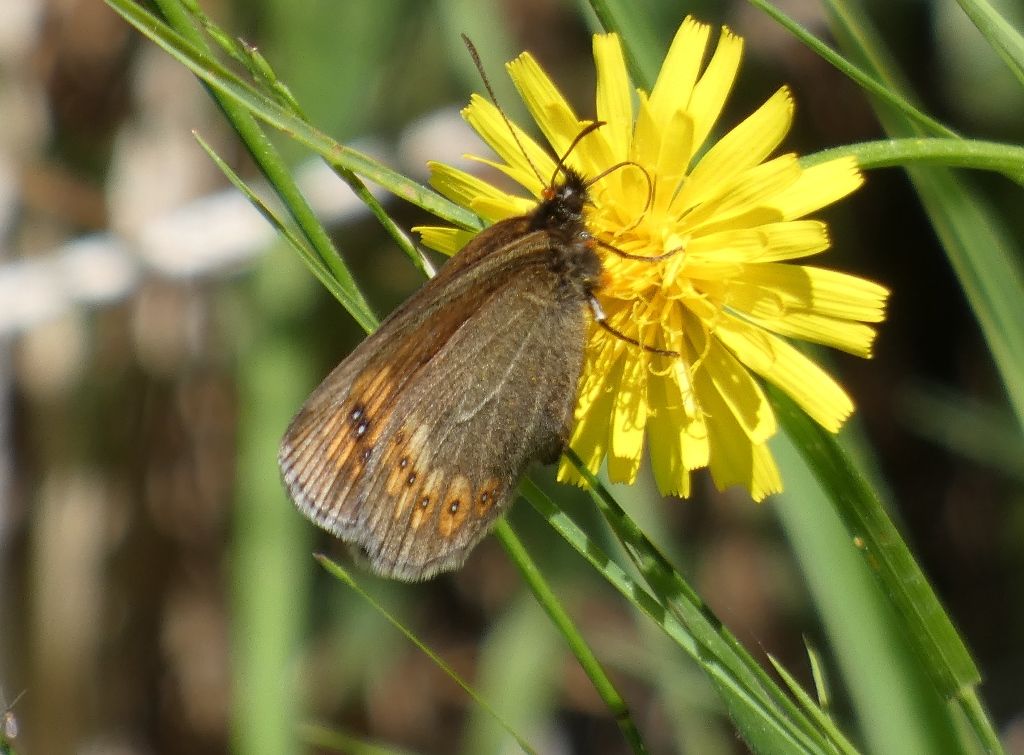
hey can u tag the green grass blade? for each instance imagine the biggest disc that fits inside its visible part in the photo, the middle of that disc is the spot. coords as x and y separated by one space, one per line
858 505
332 740
1004 39
1007 159
265 108
263 72
980 432
519 666
821 686
274 168
338 572
559 616
856 74
668 584
268 536
896 703
807 703
765 726
298 242
971 234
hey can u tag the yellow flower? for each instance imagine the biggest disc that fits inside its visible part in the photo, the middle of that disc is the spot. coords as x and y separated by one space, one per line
731 217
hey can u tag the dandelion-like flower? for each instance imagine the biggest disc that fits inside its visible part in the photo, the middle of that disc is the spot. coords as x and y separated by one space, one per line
726 219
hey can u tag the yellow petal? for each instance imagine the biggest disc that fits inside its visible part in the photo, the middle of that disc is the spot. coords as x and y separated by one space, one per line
711 92
673 156
852 337
646 143
739 392
766 478
732 453
678 437
770 242
549 108
629 417
738 196
678 74
520 176
443 239
779 363
594 404
519 151
818 187
465 189
776 291
742 148
614 95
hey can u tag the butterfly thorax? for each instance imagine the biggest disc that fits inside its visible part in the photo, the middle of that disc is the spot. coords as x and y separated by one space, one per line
572 248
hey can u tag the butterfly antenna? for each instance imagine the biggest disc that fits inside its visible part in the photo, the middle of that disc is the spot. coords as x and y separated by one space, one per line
494 100
585 131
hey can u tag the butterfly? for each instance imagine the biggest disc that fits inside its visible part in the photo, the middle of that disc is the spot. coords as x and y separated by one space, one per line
412 447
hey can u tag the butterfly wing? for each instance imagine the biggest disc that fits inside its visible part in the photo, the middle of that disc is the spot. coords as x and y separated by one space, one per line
412 447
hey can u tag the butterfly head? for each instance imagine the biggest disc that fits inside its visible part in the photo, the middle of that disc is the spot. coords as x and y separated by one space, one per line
561 205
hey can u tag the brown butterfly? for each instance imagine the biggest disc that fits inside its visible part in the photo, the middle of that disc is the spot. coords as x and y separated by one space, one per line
412 447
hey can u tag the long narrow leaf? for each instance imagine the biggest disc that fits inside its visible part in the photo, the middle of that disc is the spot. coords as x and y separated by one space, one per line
268 110
974 240
560 617
1006 40
757 717
1007 159
341 574
882 548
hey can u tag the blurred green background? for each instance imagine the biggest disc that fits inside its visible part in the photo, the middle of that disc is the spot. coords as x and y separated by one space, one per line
157 593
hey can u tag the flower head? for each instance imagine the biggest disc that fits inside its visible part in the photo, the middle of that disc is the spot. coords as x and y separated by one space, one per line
727 219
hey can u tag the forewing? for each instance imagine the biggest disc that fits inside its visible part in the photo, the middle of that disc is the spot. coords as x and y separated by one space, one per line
413 446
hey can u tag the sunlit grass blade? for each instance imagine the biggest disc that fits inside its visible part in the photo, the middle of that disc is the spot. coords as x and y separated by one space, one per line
896 704
225 82
560 617
1007 159
273 167
861 510
264 73
765 725
923 622
821 685
668 584
295 240
1004 39
339 573
975 241
332 740
810 707
858 75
